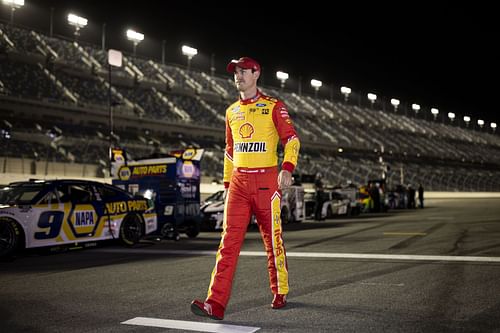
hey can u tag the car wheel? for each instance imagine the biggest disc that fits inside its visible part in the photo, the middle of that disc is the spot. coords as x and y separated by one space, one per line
193 230
131 230
285 219
329 212
9 237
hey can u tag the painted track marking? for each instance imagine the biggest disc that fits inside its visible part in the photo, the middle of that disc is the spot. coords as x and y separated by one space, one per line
190 325
409 257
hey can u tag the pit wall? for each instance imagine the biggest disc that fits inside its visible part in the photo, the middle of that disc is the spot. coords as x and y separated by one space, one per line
18 169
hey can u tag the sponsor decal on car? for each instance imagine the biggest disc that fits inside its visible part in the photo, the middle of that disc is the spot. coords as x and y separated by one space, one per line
120 207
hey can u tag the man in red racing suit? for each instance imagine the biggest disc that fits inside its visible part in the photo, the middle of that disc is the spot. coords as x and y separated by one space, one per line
254 126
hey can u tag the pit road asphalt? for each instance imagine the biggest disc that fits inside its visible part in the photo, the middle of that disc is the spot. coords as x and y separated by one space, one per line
346 275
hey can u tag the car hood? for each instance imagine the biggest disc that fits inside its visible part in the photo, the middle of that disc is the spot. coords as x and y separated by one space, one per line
214 207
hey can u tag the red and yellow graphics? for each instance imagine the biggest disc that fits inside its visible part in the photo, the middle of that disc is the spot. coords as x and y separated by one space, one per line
278 248
254 127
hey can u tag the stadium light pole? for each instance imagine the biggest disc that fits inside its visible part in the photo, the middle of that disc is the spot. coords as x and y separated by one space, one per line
372 98
103 37
14 4
212 64
77 22
163 44
282 76
467 120
493 127
435 113
135 37
316 84
115 59
51 23
416 108
189 52
480 122
451 115
346 91
395 102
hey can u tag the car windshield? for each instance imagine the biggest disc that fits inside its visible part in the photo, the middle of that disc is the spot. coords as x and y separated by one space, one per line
217 196
20 194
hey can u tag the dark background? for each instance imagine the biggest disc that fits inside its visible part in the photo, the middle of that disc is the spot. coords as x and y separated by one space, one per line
441 56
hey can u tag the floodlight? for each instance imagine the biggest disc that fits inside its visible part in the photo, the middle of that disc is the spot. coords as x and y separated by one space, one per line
346 91
135 37
415 107
77 21
14 4
395 102
282 76
316 84
189 52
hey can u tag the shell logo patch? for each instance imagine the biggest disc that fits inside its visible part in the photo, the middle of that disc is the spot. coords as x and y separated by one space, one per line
246 131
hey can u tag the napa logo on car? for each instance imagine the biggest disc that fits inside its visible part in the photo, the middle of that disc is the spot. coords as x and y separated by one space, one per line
260 105
124 173
83 220
188 154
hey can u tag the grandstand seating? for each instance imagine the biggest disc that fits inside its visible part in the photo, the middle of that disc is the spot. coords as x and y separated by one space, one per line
67 82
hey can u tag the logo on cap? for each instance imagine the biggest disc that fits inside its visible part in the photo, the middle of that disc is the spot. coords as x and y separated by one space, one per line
243 62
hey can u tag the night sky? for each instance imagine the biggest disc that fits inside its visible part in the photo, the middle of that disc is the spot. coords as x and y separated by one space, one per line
441 56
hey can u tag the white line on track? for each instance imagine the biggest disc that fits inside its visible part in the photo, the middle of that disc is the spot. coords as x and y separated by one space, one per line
382 284
394 233
190 325
410 257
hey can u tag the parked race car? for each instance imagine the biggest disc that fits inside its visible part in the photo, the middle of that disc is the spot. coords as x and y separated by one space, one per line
332 204
212 209
292 208
51 213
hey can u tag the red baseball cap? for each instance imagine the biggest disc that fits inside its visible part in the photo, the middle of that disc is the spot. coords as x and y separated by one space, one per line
243 62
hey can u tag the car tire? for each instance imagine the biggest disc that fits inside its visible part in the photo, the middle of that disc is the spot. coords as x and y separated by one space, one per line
10 237
193 230
329 212
131 230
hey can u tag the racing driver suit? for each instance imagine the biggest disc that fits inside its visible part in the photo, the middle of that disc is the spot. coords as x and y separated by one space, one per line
253 128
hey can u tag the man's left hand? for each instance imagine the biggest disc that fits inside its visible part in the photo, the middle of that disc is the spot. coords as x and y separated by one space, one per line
284 179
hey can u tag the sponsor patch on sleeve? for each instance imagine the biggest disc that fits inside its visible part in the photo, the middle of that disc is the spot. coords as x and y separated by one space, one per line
283 112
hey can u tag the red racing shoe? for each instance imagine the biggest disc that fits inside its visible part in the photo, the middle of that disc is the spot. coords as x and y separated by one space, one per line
208 308
279 301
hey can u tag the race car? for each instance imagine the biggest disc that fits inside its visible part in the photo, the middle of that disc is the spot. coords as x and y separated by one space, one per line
39 213
292 208
333 203
212 209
